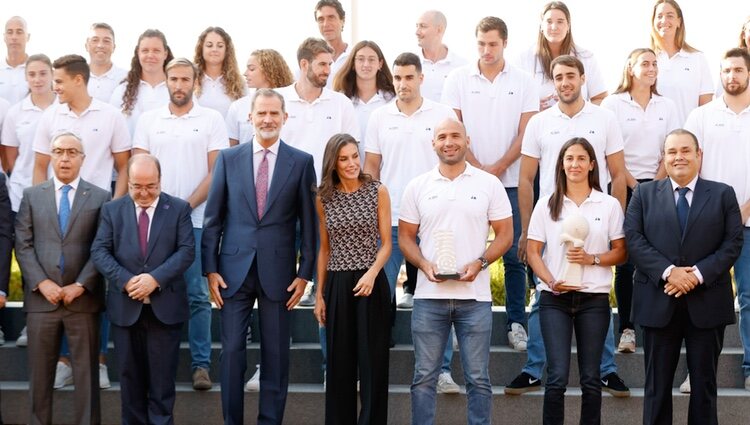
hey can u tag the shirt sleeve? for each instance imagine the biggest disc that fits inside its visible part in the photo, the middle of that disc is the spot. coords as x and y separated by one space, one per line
594 80
218 139
42 135
372 143
694 124
8 137
451 95
409 210
540 213
120 135
499 203
614 134
530 145
530 94
707 86
140 135
233 129
616 220
349 122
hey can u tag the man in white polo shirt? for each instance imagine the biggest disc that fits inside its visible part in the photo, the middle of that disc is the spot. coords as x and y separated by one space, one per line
451 208
101 127
13 86
437 60
545 134
186 138
495 101
723 130
330 16
105 76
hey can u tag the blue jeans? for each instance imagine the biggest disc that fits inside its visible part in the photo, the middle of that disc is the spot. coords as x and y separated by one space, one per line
199 326
431 320
742 279
559 315
535 347
515 271
103 337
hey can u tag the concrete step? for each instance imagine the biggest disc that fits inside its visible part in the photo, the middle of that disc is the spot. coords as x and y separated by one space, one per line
305 406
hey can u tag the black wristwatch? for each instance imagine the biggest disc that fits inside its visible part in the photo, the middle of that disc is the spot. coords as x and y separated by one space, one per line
484 262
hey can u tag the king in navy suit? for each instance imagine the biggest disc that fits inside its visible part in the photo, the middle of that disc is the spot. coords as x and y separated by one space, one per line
683 233
259 193
143 246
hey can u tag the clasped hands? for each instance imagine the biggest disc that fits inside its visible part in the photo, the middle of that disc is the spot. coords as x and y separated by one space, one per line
55 293
680 281
141 286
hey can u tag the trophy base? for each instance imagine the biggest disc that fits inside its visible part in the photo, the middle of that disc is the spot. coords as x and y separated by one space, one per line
448 276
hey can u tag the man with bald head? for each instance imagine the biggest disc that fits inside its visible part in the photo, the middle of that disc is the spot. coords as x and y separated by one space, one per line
437 60
55 227
452 207
143 247
13 86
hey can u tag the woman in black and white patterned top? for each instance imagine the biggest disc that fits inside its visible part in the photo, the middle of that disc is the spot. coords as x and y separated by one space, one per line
353 297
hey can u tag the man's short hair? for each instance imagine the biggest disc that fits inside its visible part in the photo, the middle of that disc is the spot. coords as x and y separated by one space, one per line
62 134
408 58
567 60
332 3
73 65
312 47
267 93
104 26
490 23
681 132
738 53
144 156
181 62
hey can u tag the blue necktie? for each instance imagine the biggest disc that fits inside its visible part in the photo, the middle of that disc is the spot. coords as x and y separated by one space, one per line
62 217
682 207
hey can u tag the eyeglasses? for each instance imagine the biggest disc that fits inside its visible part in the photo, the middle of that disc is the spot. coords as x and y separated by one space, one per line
72 152
363 59
140 188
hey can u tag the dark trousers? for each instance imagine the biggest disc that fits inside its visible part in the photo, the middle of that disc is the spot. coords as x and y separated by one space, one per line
559 316
661 347
147 356
357 339
273 318
410 284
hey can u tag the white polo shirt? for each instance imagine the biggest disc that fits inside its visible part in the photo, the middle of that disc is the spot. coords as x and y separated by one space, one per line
548 131
102 86
683 78
19 129
605 218
435 73
491 110
725 139
529 62
102 129
13 86
404 143
336 66
214 95
643 131
465 206
310 125
365 109
182 145
148 98
239 124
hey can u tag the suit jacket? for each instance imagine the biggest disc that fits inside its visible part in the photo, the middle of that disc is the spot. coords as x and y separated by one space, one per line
39 244
171 249
6 234
712 241
234 237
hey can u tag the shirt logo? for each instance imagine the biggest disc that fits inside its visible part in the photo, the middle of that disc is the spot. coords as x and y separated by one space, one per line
687 69
592 132
597 219
554 132
511 93
661 118
329 117
393 128
476 92
432 197
428 129
161 132
719 124
95 130
473 197
195 130
630 119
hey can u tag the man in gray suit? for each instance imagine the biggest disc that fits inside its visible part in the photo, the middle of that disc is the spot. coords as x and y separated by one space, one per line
55 226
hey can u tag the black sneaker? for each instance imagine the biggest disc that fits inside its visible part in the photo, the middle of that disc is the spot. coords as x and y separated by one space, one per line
523 383
614 385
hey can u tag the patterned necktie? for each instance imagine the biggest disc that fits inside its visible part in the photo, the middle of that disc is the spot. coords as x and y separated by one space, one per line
682 207
261 184
143 231
62 218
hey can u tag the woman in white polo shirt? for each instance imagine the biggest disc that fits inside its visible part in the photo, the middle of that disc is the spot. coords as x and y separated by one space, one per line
645 118
219 82
685 77
564 307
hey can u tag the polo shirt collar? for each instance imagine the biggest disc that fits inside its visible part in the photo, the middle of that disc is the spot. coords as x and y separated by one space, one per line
195 111
595 196
468 171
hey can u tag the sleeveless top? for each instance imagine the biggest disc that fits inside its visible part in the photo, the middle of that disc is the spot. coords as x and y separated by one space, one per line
352 224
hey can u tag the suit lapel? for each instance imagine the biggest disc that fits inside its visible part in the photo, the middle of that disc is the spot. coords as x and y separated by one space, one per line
247 176
700 199
281 172
81 197
666 197
50 204
156 225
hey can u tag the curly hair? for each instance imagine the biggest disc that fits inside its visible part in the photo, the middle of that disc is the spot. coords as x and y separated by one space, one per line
345 81
233 84
274 67
133 79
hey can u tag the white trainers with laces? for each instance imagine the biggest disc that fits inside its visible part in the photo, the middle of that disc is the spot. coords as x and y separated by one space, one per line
104 377
685 386
446 384
406 301
517 337
253 384
627 341
308 298
63 375
23 338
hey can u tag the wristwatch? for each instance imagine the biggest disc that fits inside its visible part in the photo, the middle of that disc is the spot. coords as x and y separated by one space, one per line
597 260
484 262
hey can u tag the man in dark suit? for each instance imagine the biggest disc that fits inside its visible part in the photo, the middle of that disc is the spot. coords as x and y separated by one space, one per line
683 234
55 226
260 191
143 246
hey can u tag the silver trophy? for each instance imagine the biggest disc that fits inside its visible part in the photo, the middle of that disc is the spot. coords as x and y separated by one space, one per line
575 228
445 255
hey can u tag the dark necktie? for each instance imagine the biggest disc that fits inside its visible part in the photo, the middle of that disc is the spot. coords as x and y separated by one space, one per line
143 231
682 207
62 218
261 184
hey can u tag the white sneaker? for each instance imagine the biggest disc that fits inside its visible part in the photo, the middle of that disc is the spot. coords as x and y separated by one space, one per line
63 376
253 384
685 386
2 336
23 338
104 377
446 385
517 337
406 301
308 298
627 341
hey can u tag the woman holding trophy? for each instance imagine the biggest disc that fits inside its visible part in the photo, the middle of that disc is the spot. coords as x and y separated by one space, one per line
575 236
